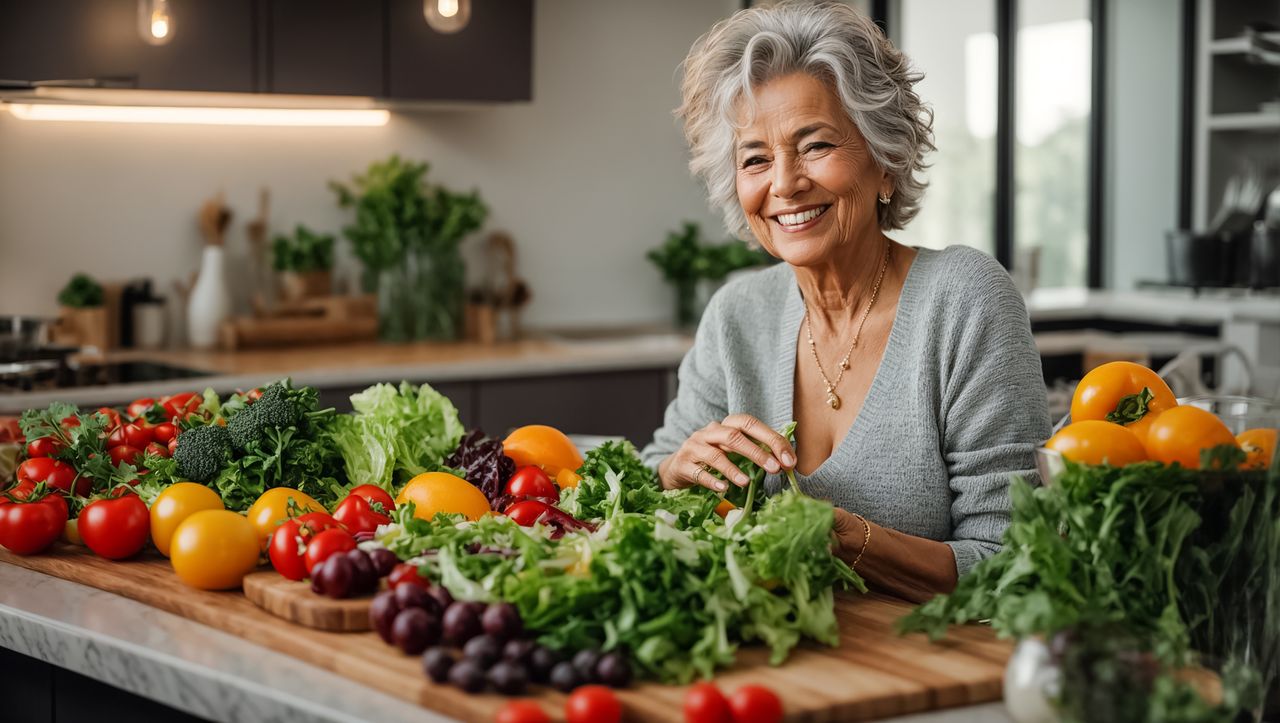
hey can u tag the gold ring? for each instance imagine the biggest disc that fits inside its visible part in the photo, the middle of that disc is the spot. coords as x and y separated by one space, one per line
698 475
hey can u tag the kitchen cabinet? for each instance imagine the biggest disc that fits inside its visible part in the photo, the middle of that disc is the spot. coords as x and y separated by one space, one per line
326 47
489 60
211 50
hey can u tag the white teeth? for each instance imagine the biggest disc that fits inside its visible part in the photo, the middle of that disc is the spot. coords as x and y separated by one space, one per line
795 219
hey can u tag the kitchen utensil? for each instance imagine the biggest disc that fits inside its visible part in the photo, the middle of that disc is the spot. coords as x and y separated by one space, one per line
149 324
210 302
1199 260
1241 199
20 335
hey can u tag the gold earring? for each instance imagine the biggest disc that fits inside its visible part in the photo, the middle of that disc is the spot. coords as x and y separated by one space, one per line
884 199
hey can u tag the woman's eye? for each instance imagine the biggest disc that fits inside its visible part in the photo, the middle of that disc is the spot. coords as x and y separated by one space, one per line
818 146
753 161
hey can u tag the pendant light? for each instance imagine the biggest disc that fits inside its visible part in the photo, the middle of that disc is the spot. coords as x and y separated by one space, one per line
155 22
447 16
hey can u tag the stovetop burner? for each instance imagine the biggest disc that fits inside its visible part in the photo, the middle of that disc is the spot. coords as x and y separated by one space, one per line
61 373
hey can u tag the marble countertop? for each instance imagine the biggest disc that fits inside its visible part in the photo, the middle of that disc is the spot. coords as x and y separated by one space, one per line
208 673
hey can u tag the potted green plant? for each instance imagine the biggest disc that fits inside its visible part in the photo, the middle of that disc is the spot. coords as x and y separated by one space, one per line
407 234
303 263
697 268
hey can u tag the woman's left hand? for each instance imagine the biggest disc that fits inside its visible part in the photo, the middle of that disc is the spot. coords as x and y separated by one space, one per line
850 535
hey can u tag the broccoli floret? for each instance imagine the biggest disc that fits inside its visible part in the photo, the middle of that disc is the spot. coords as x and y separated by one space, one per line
280 406
202 452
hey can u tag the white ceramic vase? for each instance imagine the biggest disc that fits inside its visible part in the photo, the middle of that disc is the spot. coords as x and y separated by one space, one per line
210 302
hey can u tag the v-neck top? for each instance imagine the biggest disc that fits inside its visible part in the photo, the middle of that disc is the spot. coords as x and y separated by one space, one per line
955 409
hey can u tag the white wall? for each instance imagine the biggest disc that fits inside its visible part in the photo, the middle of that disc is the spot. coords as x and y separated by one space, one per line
586 178
1144 96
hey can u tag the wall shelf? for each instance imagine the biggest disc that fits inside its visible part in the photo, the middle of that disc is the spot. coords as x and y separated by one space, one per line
1238 45
1257 122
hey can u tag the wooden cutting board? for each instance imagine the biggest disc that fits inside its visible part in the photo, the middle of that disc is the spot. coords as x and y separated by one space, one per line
873 673
295 602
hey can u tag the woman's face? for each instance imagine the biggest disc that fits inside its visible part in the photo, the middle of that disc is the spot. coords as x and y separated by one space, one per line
805 178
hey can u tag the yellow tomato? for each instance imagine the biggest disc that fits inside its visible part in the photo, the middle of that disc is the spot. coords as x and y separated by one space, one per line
1182 433
567 479
214 550
1094 442
272 508
433 492
175 504
1259 445
1114 392
543 446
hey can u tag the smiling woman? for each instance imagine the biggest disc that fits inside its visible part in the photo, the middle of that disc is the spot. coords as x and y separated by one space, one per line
911 373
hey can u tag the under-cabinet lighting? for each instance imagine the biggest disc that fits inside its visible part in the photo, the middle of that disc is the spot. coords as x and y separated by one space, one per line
199 116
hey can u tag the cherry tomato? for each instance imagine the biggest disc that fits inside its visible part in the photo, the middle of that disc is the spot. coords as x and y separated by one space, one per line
214 549
527 512
592 704
320 521
755 704
164 432
704 703
374 493
116 438
272 508
158 449
30 526
405 574
172 445
19 490
288 548
1094 442
115 528
253 395
325 544
139 407
136 435
113 417
125 454
356 515
179 406
1182 433
54 473
522 711
531 481
1259 445
1114 392
43 447
11 431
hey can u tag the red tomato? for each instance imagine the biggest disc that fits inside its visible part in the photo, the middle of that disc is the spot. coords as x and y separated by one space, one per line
43 447
319 521
54 473
755 704
115 528
136 435
592 704
527 512
288 548
173 444
253 395
11 431
326 544
125 454
157 449
179 406
116 438
28 527
139 407
531 481
113 417
704 703
356 515
522 711
19 491
164 432
405 574
374 493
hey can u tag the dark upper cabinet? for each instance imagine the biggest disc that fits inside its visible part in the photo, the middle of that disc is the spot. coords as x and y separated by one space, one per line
326 47
490 59
211 49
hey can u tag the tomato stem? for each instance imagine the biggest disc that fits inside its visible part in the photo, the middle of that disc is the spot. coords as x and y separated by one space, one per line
1132 408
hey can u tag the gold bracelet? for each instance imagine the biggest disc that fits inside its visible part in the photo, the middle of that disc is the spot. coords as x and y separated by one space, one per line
866 526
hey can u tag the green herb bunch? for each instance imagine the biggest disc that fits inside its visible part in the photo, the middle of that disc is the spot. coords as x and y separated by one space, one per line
685 256
303 252
81 292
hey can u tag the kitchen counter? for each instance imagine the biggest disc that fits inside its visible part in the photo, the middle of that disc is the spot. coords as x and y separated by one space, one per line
208 673
1156 306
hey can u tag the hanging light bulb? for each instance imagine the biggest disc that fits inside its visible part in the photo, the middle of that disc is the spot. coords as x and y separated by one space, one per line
155 23
447 16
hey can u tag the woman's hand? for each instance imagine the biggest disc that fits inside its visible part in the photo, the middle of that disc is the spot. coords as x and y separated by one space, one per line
850 536
706 450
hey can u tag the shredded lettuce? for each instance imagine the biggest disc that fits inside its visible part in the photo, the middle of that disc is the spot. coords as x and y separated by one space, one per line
396 433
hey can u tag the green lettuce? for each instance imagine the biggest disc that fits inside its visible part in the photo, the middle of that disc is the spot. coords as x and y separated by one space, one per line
396 433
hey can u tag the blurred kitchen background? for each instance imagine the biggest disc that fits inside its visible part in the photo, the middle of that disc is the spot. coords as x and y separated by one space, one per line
198 193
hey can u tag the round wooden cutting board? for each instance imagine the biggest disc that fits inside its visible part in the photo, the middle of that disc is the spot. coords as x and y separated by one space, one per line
295 602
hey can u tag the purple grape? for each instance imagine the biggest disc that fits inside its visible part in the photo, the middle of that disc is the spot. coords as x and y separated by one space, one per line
337 578
564 677
477 607
460 624
518 650
468 676
442 597
382 613
315 579
436 662
414 630
363 536
585 663
413 596
508 678
541 661
484 649
614 670
383 561
502 621
363 577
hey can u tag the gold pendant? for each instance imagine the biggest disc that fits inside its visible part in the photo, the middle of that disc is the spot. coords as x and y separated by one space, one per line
833 399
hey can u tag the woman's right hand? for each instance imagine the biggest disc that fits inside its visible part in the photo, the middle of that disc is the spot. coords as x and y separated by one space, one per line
705 450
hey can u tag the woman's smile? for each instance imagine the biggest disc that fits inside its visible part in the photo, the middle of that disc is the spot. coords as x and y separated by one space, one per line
801 218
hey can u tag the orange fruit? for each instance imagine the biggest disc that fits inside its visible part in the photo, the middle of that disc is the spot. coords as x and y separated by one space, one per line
1095 442
546 447
567 478
1180 434
432 492
1259 445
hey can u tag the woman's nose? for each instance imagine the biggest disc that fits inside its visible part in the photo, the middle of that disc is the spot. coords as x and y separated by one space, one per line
789 177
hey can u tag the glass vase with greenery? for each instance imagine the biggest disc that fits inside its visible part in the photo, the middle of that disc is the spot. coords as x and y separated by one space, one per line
687 262
407 234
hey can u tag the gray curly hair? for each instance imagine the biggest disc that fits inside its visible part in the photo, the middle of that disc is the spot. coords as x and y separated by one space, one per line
831 42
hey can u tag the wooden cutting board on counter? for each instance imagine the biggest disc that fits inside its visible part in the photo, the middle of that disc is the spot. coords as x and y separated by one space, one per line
295 602
872 674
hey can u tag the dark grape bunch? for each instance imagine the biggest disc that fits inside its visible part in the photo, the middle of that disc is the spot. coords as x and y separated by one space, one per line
352 573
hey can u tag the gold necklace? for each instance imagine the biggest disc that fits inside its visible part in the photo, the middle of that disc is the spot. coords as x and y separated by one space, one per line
833 399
